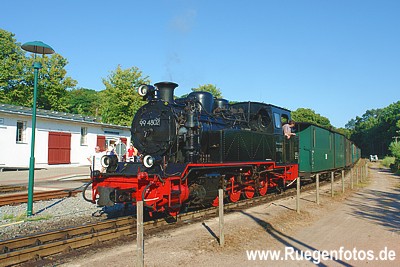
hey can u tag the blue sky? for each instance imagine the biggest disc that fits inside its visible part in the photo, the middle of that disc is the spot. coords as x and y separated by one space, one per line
339 58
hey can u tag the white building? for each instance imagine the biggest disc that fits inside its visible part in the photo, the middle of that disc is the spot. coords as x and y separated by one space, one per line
61 138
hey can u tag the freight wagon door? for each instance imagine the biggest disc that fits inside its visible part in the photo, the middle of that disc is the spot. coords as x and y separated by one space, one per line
59 148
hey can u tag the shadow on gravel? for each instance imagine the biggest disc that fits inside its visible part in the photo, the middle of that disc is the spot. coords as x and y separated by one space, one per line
379 207
289 241
52 205
116 211
383 170
211 232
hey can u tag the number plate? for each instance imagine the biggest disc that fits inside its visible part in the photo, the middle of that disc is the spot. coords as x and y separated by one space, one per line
150 122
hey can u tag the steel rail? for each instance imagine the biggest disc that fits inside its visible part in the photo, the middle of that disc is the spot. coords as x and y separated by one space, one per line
13 199
11 188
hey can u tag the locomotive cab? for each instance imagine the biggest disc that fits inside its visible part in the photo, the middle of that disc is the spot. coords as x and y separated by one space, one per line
263 139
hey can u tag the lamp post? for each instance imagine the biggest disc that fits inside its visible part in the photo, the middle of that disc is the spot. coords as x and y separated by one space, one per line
36 47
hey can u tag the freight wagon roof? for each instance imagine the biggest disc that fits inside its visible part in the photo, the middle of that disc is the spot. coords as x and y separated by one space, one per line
307 124
50 114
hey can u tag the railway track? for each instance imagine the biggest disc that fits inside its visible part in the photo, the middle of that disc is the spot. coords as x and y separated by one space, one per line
13 199
20 250
11 188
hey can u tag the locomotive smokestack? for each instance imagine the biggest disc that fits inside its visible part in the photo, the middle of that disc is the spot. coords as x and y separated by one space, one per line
166 91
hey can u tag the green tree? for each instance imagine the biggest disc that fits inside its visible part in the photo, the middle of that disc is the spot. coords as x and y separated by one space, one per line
395 145
351 124
17 77
373 131
309 115
395 149
83 101
344 131
13 62
53 84
120 101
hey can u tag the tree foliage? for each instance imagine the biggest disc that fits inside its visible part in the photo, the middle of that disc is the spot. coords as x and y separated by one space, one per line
83 101
395 149
120 101
344 131
309 115
13 67
17 77
375 129
53 84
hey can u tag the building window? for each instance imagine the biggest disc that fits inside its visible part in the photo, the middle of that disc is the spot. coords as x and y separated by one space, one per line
21 132
83 136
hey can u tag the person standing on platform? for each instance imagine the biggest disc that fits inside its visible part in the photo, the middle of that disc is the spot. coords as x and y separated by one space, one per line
131 154
95 159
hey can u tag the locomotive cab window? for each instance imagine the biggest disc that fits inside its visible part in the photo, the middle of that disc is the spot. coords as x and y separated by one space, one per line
284 119
263 118
278 122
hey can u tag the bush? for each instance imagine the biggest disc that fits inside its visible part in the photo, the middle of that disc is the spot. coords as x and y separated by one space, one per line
395 149
387 161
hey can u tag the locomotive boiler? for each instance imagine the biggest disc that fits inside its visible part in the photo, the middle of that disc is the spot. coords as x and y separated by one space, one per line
195 145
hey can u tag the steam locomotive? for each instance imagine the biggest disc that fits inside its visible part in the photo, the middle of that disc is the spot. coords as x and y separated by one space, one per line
195 145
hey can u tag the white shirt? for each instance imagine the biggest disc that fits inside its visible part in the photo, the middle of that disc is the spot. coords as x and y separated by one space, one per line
97 160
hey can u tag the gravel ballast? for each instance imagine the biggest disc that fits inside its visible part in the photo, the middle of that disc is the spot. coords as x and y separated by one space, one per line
50 215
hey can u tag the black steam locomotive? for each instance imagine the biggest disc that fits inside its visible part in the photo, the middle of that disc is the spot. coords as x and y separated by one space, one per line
193 146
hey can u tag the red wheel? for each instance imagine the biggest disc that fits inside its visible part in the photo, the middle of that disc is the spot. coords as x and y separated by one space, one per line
249 191
263 189
215 202
235 195
173 212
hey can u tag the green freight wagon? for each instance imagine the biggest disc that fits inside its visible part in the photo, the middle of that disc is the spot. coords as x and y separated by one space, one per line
349 157
340 150
355 153
322 150
316 149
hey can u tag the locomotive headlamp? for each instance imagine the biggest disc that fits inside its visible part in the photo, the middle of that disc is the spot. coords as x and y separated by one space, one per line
105 161
110 162
148 161
145 89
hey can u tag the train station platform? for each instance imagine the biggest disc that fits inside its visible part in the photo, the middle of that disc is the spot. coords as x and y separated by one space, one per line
50 175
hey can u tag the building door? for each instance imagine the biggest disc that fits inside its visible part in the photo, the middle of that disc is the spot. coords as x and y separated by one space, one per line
59 148
101 142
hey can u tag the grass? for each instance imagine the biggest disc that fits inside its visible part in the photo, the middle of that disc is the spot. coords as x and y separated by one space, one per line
8 217
23 217
39 218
